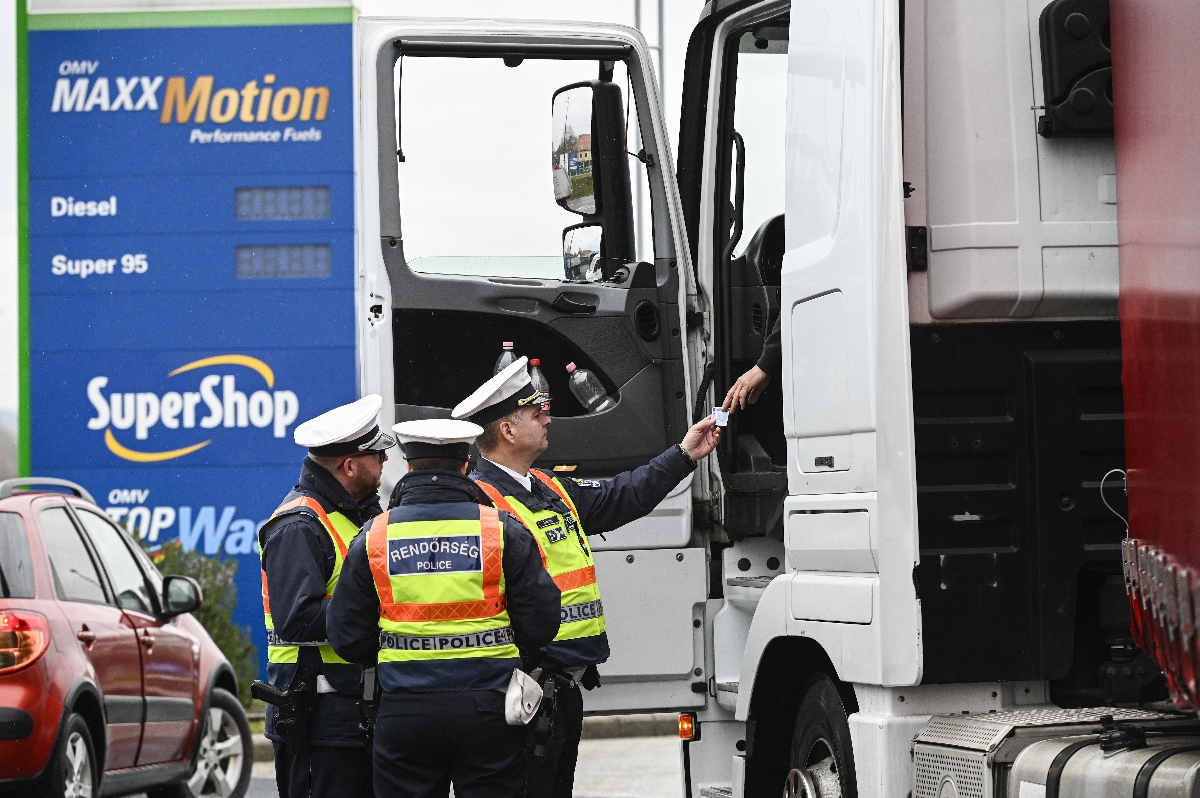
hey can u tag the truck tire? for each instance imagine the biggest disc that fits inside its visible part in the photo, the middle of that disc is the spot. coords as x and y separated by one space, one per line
821 754
73 770
225 755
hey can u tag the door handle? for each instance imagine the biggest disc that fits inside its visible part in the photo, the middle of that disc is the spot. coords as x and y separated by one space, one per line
86 637
147 640
575 302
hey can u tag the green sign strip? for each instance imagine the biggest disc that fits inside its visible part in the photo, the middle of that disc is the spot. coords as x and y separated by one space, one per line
23 404
191 19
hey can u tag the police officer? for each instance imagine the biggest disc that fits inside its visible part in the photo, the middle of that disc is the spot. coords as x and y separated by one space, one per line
303 549
441 590
560 514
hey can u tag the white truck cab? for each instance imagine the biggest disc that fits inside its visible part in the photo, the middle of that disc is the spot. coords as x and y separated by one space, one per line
907 523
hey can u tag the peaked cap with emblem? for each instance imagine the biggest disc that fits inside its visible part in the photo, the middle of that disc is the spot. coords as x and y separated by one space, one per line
436 437
507 391
349 429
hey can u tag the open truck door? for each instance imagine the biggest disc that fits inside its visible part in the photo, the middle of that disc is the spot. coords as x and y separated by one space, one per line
559 252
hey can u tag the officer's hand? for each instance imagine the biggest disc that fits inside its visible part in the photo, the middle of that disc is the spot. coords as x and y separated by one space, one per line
747 389
702 438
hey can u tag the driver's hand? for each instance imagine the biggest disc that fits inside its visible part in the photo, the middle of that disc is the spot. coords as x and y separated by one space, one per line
747 389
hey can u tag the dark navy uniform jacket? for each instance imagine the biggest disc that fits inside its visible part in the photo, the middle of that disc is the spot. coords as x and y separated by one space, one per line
531 594
603 506
298 557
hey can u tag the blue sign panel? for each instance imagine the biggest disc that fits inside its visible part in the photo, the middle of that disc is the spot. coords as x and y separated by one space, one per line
191 271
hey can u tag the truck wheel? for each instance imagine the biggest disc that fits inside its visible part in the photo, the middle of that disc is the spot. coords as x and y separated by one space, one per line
822 760
73 769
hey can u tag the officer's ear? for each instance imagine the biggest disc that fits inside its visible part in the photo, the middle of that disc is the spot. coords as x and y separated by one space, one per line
462 469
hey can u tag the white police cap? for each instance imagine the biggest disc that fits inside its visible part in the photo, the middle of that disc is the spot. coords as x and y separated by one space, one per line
345 430
436 437
507 391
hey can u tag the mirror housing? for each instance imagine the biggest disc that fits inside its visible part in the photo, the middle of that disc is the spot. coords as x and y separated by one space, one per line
582 261
591 176
180 594
571 149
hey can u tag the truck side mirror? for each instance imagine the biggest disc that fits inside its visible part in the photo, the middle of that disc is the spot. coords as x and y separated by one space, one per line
581 253
590 162
571 149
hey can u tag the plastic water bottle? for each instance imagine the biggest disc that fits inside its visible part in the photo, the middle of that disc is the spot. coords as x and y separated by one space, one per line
539 382
506 359
588 390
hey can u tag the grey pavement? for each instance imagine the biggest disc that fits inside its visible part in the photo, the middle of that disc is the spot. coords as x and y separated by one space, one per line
621 767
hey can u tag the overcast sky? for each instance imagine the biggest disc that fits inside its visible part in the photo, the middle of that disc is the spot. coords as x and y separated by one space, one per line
680 16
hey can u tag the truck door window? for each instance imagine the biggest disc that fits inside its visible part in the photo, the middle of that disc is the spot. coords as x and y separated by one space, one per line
477 189
758 116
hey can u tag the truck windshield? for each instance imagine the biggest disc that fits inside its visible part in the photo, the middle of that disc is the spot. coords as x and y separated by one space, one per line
476 189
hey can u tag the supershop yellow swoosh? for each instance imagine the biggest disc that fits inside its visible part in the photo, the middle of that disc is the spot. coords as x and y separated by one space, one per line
230 360
124 453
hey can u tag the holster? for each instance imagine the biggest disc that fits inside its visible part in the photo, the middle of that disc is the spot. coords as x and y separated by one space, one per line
295 706
367 706
541 728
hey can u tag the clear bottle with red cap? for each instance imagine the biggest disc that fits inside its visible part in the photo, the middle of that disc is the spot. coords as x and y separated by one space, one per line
540 383
506 359
588 390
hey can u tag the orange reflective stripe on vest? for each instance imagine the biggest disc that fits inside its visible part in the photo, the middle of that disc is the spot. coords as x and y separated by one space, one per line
315 506
323 517
578 578
571 579
491 553
552 485
501 503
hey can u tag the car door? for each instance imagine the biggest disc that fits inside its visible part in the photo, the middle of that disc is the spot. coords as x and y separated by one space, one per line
170 656
105 635
569 244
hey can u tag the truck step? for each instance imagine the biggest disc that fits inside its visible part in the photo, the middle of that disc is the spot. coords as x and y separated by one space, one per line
716 792
750 581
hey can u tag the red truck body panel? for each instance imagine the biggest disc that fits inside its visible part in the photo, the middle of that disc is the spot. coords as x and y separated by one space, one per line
1156 94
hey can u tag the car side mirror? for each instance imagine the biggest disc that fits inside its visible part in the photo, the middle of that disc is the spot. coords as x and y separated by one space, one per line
180 594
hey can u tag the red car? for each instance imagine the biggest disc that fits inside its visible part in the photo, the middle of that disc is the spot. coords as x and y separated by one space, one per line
107 684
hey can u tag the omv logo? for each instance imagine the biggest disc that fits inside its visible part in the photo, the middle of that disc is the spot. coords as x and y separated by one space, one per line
215 402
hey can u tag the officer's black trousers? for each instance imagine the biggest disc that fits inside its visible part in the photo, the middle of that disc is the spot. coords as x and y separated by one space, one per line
554 775
425 741
323 773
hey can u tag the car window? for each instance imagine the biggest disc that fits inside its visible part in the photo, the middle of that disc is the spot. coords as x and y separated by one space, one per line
16 562
127 578
75 575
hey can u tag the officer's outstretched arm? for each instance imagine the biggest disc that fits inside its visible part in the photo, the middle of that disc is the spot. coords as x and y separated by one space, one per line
353 618
604 506
533 598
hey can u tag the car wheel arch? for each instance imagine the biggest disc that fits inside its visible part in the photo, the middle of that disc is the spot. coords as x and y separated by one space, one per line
84 699
220 676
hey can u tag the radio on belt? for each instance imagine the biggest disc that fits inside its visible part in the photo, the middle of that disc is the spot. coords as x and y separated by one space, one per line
722 416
